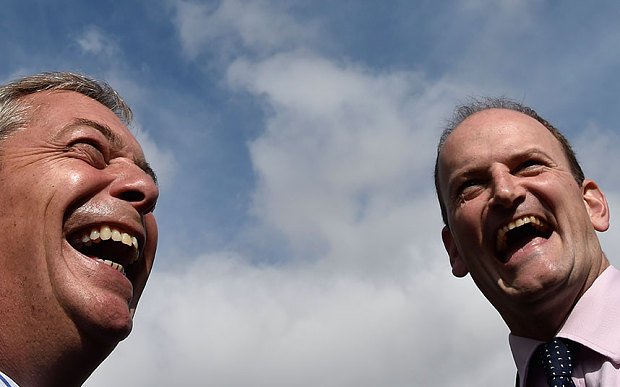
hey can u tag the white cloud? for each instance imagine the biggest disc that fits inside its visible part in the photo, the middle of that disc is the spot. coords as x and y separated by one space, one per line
345 163
94 41
260 26
223 322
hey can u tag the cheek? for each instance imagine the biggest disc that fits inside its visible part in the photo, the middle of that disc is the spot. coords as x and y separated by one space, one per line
77 177
467 216
80 181
467 224
66 187
563 200
74 178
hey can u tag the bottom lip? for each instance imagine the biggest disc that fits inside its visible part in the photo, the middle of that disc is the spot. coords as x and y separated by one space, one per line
518 234
98 278
109 266
516 251
98 282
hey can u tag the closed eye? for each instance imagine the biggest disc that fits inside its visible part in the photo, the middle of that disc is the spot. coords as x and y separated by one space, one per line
470 188
530 167
89 151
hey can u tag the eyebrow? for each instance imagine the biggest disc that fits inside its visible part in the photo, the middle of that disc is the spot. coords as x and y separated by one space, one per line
117 142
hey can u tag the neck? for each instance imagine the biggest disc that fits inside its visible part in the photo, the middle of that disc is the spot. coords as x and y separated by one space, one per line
59 369
42 349
540 325
36 362
543 317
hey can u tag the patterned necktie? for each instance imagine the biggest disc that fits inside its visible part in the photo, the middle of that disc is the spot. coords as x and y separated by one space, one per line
557 363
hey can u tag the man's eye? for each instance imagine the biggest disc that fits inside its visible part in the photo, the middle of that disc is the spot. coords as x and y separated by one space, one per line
530 167
90 152
470 189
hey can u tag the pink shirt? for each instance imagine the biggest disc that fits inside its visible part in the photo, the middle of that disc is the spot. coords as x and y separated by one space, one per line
595 324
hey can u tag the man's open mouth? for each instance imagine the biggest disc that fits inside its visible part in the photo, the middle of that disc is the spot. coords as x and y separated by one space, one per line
518 233
107 244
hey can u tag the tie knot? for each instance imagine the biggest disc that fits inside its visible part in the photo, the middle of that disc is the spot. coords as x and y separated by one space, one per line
557 362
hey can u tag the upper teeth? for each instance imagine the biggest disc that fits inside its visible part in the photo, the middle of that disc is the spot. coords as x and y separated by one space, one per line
104 233
501 234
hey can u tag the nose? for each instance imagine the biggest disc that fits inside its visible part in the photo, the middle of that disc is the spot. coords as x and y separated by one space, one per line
507 191
134 184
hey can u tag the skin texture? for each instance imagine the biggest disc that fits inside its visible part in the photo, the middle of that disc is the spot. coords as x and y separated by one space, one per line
497 166
59 175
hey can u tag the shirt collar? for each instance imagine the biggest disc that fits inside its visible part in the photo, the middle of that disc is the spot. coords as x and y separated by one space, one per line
6 381
522 349
593 322
594 319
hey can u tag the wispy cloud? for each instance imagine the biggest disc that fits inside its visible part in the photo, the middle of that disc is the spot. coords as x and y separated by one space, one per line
259 26
344 159
224 323
94 41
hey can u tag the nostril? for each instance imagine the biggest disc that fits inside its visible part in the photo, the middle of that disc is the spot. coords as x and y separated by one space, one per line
132 196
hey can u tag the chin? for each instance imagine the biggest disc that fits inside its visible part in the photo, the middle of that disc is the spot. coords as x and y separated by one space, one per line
119 331
107 330
533 289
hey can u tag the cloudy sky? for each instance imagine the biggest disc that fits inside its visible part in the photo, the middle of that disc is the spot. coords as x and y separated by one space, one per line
294 140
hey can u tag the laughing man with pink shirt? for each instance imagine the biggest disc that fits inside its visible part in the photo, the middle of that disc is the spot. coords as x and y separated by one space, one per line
522 220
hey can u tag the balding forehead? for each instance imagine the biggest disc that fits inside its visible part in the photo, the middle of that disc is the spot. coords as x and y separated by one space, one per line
479 125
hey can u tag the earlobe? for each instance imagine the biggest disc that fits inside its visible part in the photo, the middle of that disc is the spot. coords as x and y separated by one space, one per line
596 205
459 268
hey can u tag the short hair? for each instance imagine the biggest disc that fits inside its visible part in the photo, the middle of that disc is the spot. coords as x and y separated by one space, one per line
14 112
462 112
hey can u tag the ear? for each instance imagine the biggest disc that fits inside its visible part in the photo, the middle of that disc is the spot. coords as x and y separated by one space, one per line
596 205
459 268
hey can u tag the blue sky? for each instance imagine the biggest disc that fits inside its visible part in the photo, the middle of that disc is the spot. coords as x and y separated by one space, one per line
294 140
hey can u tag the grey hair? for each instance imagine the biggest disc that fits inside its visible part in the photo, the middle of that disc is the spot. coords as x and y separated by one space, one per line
462 112
14 112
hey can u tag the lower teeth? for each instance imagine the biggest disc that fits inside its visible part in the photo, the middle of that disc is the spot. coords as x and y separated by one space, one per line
114 265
